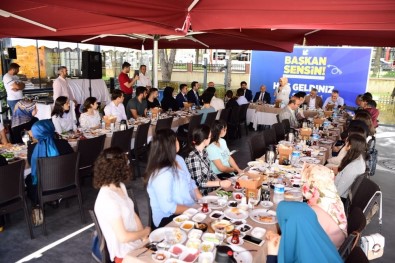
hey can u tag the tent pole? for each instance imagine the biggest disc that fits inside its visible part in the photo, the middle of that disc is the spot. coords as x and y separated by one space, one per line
205 69
155 62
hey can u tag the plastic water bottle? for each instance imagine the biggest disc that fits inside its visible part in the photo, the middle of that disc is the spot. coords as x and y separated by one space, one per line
278 193
149 114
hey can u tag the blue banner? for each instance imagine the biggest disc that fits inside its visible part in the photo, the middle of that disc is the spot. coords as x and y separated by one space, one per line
345 69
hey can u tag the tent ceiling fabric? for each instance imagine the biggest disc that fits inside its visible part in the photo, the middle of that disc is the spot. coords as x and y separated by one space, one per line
255 24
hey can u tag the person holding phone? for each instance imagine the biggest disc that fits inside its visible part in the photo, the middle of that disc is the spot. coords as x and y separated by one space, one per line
126 84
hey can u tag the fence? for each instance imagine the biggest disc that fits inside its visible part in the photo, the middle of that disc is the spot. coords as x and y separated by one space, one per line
210 67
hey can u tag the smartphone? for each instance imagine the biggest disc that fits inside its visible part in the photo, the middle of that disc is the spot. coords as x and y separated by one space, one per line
253 240
136 73
232 152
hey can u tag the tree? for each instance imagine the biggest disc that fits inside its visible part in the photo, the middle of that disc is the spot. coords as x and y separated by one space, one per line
228 74
167 58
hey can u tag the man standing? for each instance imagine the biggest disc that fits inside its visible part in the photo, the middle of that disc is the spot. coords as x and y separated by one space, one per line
182 96
13 86
313 101
137 107
247 92
334 99
144 80
262 96
126 84
288 112
61 87
193 94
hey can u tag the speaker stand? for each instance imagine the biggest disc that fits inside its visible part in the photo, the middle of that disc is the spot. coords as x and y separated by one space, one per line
90 88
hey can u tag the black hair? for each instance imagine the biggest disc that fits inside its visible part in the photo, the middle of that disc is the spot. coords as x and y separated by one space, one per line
13 66
357 147
87 103
152 90
58 107
182 86
300 94
243 82
240 92
206 97
210 90
168 92
229 93
117 93
371 103
335 91
193 84
216 130
368 95
125 65
162 153
143 66
140 90
199 134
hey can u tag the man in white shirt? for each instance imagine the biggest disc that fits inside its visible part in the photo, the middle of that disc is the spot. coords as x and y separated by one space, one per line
288 112
61 87
116 107
241 99
144 80
13 86
334 99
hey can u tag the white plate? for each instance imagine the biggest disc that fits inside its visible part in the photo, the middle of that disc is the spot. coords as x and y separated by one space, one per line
195 233
212 201
163 253
199 217
159 234
206 246
263 216
241 257
236 194
190 212
236 213
258 232
231 203
293 195
220 213
267 204
206 257
180 219
326 141
244 228
210 237
241 241
254 163
309 160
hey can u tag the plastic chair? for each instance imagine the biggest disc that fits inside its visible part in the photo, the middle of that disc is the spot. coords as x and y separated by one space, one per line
140 145
105 256
57 179
280 132
225 114
257 146
162 124
12 191
89 150
210 118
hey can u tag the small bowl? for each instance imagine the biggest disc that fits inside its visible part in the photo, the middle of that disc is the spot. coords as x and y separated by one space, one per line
195 233
187 225
180 219
161 256
238 196
201 226
258 232
206 257
193 243
267 204
207 246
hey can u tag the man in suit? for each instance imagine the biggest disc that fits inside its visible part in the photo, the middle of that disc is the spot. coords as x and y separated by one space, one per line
247 92
313 101
262 95
193 94
182 96
288 112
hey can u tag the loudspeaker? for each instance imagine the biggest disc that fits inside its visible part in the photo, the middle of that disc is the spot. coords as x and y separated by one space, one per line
11 53
91 65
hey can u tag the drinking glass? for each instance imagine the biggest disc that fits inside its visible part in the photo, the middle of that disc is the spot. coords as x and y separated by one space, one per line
270 155
25 137
253 201
220 233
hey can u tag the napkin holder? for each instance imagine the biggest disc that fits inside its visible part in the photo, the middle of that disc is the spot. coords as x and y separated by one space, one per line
187 105
306 133
328 113
284 152
252 185
330 107
318 122
108 120
277 104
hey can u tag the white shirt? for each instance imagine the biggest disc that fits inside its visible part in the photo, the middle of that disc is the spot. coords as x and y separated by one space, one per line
144 80
109 207
65 123
218 105
242 100
8 81
312 103
89 121
61 88
118 111
339 101
284 94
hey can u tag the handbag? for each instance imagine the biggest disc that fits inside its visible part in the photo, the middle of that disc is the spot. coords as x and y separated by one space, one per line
373 245
37 216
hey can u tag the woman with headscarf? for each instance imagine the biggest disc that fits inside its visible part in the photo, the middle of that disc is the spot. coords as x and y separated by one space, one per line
302 238
22 119
47 146
283 91
168 101
320 191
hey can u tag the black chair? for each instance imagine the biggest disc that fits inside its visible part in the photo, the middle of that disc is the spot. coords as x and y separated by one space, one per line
280 132
15 133
122 140
357 256
287 125
105 256
12 191
133 197
185 137
353 190
224 115
140 150
89 150
257 146
210 119
243 118
58 179
233 122
278 118
162 124
150 218
269 136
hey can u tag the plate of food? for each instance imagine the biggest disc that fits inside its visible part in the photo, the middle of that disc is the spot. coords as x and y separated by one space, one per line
307 159
326 141
190 212
212 201
159 234
223 224
263 216
293 195
236 213
199 217
180 219
238 196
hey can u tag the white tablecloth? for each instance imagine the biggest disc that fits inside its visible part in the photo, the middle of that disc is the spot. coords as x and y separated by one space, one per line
260 118
44 111
80 90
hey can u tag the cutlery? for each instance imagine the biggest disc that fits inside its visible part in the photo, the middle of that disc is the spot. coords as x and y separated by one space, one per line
142 253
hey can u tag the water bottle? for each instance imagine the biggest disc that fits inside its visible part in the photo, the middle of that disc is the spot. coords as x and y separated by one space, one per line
295 157
103 124
149 114
278 193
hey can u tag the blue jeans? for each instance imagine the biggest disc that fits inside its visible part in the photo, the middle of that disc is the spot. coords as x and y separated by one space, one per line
12 104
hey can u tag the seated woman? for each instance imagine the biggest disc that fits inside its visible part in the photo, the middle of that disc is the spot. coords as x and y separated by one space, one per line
152 100
47 146
221 162
22 119
3 136
63 117
206 108
199 165
169 184
90 117
363 119
302 238
321 194
352 165
168 101
121 227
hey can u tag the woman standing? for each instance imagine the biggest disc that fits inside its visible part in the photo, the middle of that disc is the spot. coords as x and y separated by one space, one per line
352 165
169 184
63 118
199 165
120 225
152 100
90 117
283 91
222 163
